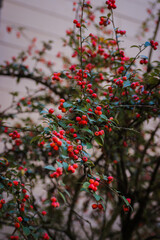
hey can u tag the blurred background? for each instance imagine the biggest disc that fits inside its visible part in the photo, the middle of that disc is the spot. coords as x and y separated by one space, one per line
49 20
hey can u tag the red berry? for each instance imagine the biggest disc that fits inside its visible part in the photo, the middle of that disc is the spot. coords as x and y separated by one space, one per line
3 201
98 108
17 225
96 133
19 219
75 21
53 199
75 165
91 181
79 147
94 206
44 213
110 178
85 159
100 206
51 110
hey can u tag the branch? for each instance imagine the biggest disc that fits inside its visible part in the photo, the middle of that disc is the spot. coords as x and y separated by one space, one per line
39 80
143 155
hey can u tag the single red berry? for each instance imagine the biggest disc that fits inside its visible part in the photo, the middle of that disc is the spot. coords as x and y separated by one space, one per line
51 110
75 165
79 147
53 199
20 219
44 213
98 108
85 159
17 225
3 201
94 206
78 25
75 21
96 133
100 206
91 181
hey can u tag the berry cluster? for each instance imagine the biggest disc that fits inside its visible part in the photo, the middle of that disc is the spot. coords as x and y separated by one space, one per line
72 168
120 69
82 120
99 133
78 25
90 90
134 85
14 237
54 203
61 105
17 225
56 174
56 77
111 4
122 32
56 143
14 135
98 110
154 44
143 61
99 206
93 184
104 21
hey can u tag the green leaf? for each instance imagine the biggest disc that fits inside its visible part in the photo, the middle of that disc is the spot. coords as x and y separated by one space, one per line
134 46
97 197
84 189
62 196
50 167
47 130
35 139
86 185
88 131
1 186
26 230
104 207
126 84
100 140
62 124
65 165
67 193
89 145
88 5
143 56
67 105
59 164
104 117
83 26
125 200
43 111
147 44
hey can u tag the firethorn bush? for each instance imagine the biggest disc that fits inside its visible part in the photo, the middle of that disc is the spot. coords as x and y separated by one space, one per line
86 164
